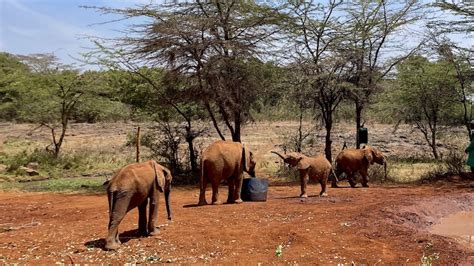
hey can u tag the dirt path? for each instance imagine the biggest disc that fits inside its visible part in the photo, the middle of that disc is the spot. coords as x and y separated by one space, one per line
369 226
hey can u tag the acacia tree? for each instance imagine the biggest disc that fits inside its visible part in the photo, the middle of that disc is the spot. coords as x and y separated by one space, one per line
313 31
57 91
426 94
299 92
373 46
211 43
459 59
160 93
464 21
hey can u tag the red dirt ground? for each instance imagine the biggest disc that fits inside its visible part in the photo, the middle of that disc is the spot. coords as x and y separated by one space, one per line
386 225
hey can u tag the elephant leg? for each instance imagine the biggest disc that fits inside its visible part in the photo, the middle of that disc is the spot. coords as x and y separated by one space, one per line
153 216
350 178
230 196
142 218
303 181
215 193
120 203
202 193
365 179
238 188
323 183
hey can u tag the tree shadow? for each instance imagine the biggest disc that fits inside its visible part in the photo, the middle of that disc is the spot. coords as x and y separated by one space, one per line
298 197
124 238
190 206
196 205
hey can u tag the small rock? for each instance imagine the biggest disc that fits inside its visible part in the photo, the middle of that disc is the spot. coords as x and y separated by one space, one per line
3 168
28 171
33 165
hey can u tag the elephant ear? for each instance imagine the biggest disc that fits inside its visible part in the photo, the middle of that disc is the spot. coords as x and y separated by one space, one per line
303 163
247 156
168 177
159 177
369 155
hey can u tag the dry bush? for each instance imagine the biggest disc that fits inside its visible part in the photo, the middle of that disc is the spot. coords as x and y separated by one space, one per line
377 173
452 163
455 162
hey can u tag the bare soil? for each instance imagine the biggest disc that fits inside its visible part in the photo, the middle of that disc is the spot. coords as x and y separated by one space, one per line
380 224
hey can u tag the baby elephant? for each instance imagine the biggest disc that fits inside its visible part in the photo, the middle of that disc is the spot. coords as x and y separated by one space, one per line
316 168
134 186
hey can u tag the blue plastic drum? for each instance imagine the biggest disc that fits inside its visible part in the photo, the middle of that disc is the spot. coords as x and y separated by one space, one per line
254 189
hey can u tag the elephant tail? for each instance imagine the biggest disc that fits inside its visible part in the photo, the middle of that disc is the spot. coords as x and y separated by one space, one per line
333 174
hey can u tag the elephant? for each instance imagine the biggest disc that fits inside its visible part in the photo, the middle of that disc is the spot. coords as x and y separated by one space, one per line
314 168
225 160
350 161
134 186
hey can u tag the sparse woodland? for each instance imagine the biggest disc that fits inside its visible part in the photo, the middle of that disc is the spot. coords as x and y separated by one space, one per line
297 82
201 68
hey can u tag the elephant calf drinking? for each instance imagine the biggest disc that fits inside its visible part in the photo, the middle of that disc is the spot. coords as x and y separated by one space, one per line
133 186
225 160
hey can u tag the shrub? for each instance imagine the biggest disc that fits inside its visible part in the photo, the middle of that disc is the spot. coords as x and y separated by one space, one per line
454 162
48 163
377 173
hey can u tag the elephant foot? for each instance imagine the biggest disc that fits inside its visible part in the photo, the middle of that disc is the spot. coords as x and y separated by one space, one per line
353 184
238 201
304 195
111 245
365 185
202 203
324 194
154 232
217 202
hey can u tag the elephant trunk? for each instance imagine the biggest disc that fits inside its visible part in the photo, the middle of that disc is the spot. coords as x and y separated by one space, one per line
167 202
385 169
283 157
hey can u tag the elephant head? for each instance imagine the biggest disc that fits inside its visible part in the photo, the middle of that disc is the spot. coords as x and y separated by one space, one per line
375 156
295 159
163 180
249 161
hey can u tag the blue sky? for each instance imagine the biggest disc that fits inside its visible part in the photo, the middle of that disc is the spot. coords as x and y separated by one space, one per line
59 26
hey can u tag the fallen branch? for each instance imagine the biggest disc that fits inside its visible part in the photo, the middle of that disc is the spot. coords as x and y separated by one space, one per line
11 227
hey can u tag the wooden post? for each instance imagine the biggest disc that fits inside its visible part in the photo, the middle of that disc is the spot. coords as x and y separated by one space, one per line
138 144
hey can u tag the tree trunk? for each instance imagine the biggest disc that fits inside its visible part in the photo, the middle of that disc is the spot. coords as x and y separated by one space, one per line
237 127
138 145
433 144
300 132
214 121
192 153
327 149
467 121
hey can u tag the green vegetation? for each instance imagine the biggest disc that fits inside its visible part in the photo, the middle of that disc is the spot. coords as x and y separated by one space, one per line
217 65
58 185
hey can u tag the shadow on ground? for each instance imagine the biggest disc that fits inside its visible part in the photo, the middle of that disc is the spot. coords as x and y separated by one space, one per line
124 238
